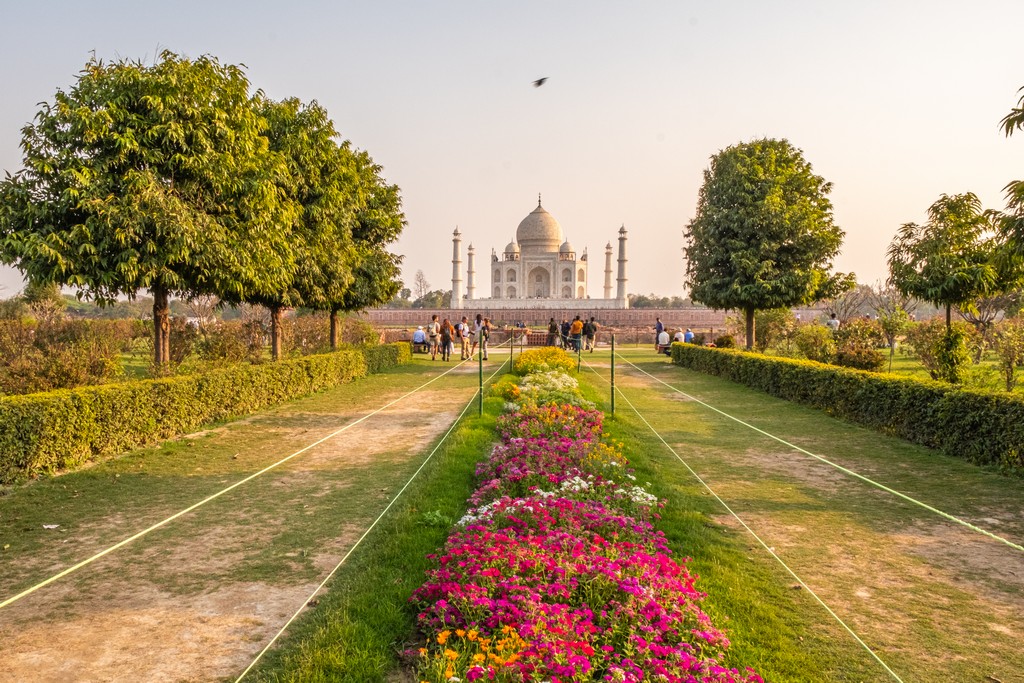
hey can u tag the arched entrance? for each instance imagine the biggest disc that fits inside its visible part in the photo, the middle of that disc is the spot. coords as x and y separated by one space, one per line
539 283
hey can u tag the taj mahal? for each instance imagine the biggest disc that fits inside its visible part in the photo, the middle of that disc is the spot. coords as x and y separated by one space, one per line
538 269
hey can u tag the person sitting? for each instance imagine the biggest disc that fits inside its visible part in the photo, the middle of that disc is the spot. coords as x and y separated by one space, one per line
664 342
419 340
679 336
688 337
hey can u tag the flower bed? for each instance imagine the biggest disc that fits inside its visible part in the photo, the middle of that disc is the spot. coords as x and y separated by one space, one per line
557 573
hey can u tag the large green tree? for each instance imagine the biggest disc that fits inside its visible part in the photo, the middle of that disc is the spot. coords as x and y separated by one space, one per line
322 182
952 259
763 236
150 177
378 222
1012 222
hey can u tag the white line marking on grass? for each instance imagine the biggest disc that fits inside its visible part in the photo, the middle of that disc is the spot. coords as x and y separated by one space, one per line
872 482
365 533
758 538
121 544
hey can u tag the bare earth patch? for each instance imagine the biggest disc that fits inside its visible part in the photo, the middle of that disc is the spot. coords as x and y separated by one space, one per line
125 619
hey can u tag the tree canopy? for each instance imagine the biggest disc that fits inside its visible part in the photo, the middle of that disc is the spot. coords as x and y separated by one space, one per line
149 177
173 177
764 235
952 259
1012 223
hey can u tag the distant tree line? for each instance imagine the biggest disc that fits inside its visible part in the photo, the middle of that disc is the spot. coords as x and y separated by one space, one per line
177 179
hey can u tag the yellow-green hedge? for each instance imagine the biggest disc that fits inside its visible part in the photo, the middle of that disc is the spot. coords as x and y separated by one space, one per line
59 430
980 426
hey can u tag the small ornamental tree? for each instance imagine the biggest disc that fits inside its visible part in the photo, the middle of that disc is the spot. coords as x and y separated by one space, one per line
149 177
950 260
763 236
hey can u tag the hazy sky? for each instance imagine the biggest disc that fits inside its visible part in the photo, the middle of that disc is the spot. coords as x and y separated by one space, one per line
894 102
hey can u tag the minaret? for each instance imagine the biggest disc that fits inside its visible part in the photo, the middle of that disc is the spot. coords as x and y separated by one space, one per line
457 269
608 271
471 275
621 293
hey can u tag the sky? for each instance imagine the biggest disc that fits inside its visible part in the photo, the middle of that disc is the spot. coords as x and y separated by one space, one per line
895 103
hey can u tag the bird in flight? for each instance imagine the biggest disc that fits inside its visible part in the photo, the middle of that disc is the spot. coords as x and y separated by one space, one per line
539 82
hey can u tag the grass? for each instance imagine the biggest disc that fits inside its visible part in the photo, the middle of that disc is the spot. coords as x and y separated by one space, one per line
896 573
102 504
360 627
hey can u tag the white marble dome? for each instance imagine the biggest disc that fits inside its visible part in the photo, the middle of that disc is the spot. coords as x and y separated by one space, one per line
539 231
566 248
512 248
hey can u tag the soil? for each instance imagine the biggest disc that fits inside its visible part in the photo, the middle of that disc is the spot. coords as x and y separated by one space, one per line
153 613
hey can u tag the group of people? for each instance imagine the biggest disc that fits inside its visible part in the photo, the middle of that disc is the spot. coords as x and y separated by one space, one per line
442 336
663 340
576 336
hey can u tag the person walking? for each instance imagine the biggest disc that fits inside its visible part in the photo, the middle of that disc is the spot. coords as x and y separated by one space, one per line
659 327
590 333
552 333
485 334
433 331
564 331
446 335
462 334
576 334
478 323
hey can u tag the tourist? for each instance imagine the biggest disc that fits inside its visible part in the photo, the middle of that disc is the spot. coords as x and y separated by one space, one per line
659 327
576 334
590 333
679 336
832 323
446 334
477 324
462 334
565 334
688 337
485 334
433 331
419 340
664 342
552 339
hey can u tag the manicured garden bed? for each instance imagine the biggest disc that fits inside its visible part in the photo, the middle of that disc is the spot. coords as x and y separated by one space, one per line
557 572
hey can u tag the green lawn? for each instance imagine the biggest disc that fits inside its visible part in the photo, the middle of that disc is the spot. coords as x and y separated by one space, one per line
935 601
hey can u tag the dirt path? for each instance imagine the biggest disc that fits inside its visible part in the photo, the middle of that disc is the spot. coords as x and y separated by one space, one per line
935 600
196 600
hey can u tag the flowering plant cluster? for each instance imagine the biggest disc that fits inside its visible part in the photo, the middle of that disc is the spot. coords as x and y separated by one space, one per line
557 573
542 359
551 386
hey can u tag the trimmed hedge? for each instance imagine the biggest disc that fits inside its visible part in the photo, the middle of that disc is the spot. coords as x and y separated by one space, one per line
60 430
980 426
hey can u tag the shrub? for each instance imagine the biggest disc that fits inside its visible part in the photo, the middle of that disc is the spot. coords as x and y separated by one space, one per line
857 343
1008 341
726 341
542 359
60 430
816 342
700 339
979 426
943 358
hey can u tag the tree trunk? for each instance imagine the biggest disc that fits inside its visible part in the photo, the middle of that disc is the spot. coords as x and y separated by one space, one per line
949 322
275 332
161 328
749 312
334 330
